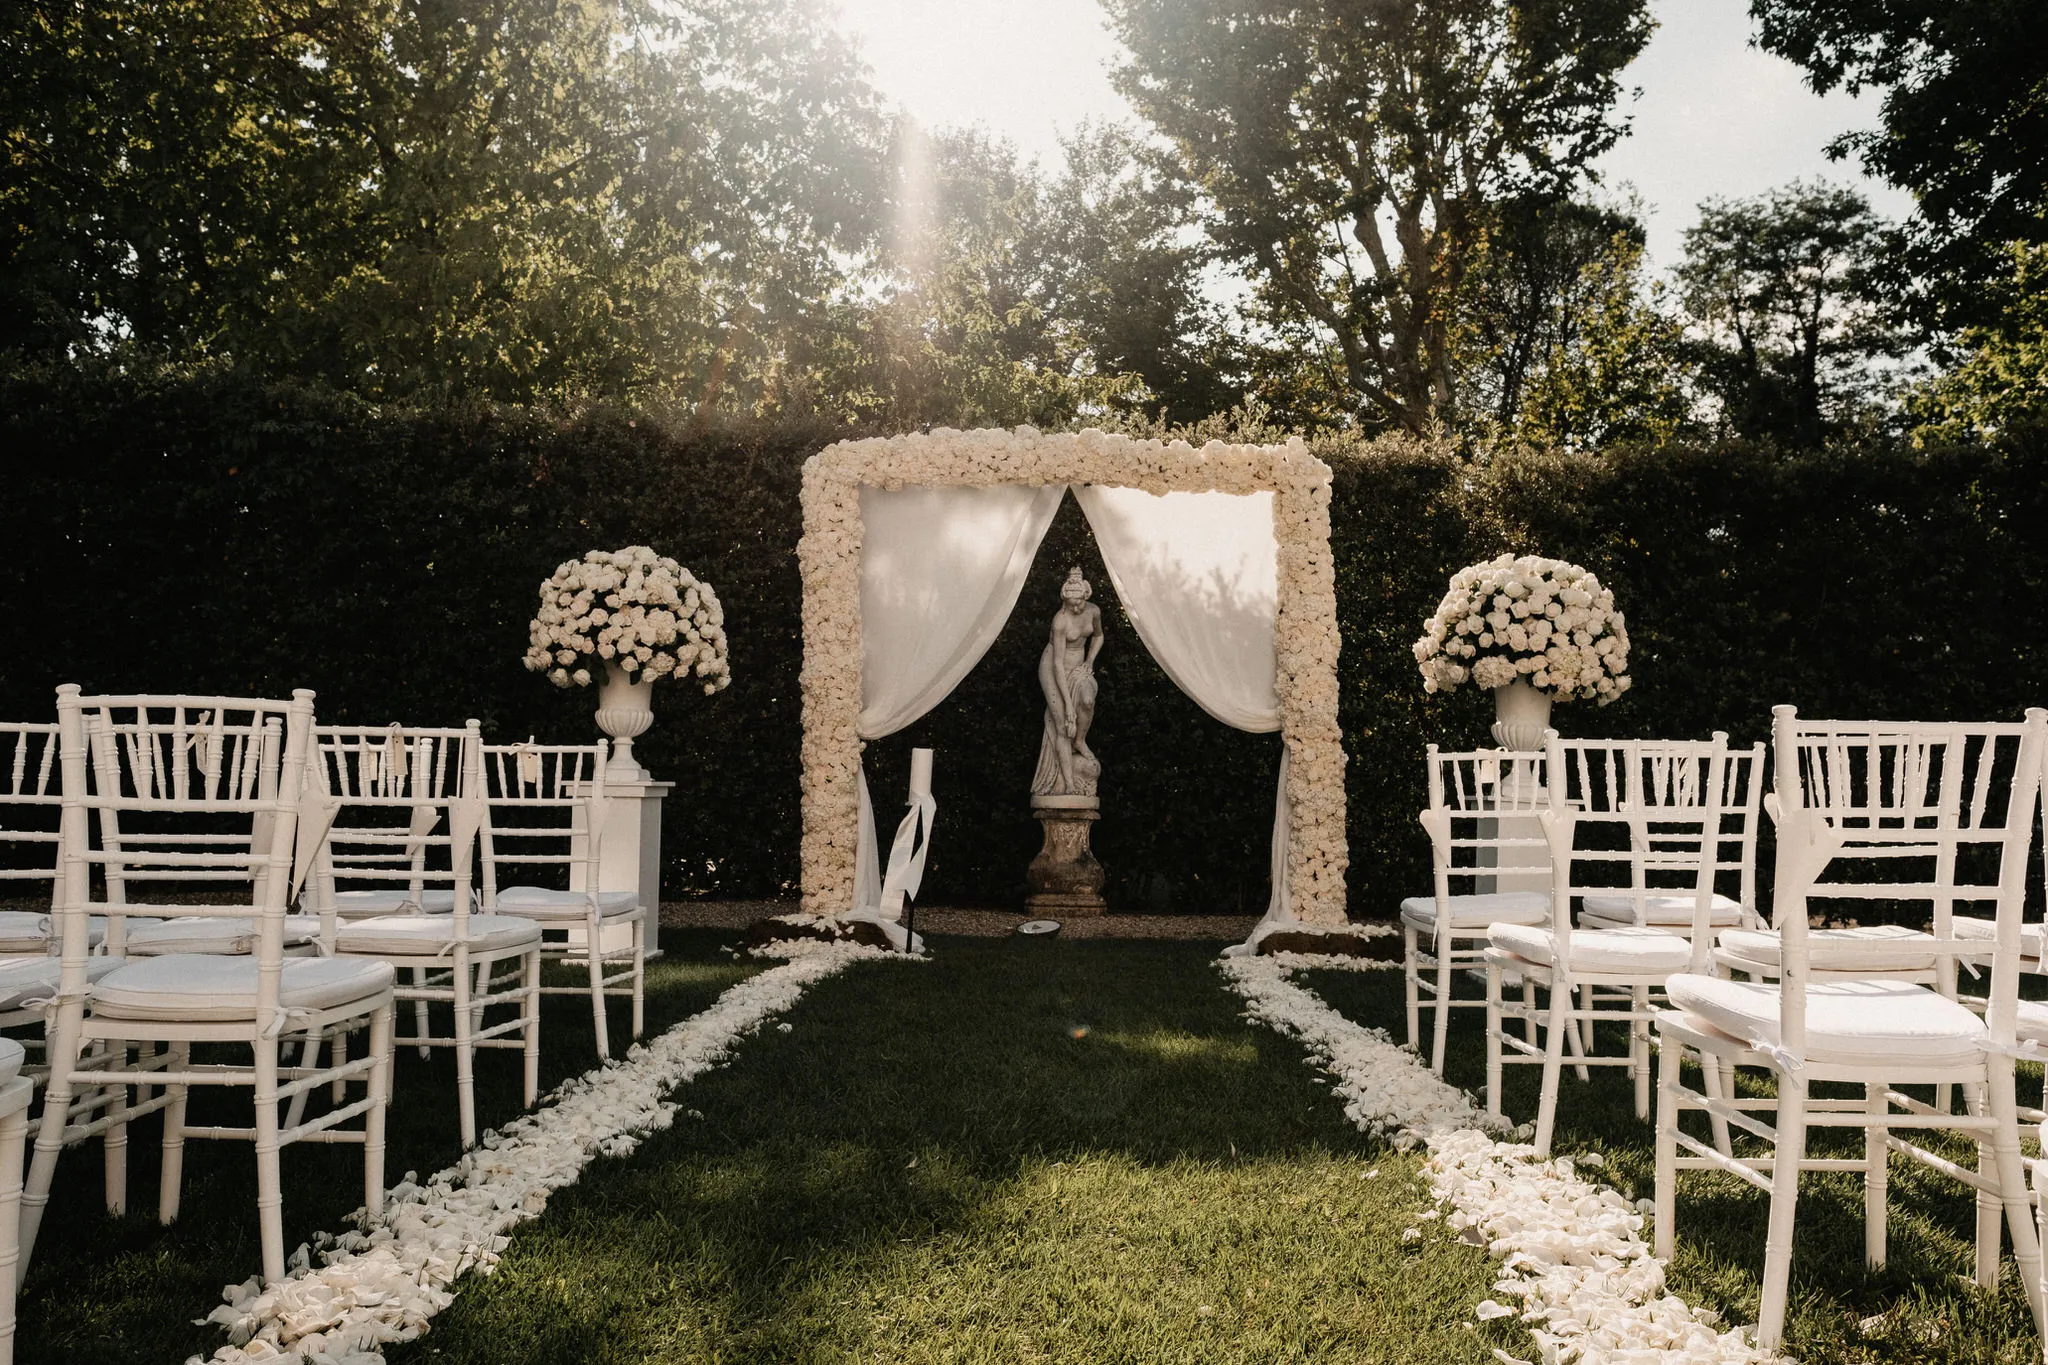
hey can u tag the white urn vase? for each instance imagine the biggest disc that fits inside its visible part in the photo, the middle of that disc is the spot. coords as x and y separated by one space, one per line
1521 715
625 708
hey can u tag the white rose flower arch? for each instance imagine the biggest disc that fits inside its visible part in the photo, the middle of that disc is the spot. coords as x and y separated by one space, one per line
931 535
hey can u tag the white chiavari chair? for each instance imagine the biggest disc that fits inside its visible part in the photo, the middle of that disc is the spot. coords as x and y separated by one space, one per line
1483 829
199 793
1634 824
428 786
1914 815
545 808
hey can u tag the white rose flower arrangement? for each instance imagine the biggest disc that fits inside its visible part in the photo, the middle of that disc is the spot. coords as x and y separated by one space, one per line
632 610
1528 619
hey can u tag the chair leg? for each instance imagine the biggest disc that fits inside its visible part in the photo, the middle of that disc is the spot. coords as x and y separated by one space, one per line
1494 1025
382 1045
1719 1085
420 1022
269 1179
1442 1024
1876 1174
1581 1036
592 936
1990 1205
170 1188
13 1137
114 1144
1558 1025
465 1052
640 975
1411 989
1639 1051
309 1057
1664 1197
62 1052
1789 1153
2012 1184
529 1010
1528 1009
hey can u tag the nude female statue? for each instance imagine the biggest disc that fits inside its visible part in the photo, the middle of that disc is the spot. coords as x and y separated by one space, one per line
1066 674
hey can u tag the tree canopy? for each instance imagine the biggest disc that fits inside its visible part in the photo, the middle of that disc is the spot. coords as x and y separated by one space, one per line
1351 148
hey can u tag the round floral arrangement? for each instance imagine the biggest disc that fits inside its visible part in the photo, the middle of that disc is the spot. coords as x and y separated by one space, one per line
1527 619
633 610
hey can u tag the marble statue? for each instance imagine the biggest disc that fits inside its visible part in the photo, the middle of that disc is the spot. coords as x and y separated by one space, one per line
1066 674
1065 878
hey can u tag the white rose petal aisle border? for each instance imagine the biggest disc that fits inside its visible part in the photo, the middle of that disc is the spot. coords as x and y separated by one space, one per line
1589 1289
383 1284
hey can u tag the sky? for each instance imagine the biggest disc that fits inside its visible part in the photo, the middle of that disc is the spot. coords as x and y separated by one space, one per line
1715 116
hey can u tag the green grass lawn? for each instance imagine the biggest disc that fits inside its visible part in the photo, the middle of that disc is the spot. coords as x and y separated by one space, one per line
1060 1151
1930 1310
1021 1151
128 1289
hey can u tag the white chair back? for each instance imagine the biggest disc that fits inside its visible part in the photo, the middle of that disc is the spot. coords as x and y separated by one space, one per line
31 797
401 806
188 792
1660 802
544 807
1483 817
1912 813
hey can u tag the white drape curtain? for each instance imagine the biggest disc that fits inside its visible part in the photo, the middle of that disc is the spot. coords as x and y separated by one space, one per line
1198 575
940 572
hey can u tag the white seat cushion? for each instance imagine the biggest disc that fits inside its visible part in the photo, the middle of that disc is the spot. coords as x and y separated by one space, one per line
185 988
395 901
1836 950
1850 1021
2032 1021
12 1055
28 931
1476 912
226 934
35 978
2032 936
1633 949
1667 912
543 903
431 935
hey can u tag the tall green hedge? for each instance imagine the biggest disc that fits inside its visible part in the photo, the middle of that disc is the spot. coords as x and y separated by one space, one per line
208 534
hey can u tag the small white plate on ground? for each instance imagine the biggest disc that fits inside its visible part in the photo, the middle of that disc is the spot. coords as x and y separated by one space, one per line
1039 926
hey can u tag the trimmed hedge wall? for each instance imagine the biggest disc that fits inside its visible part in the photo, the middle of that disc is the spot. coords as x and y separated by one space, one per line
212 535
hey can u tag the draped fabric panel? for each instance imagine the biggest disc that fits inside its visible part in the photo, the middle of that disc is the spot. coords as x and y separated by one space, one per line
940 572
1198 574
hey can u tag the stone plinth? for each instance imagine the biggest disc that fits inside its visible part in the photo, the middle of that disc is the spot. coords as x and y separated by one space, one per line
629 855
1064 878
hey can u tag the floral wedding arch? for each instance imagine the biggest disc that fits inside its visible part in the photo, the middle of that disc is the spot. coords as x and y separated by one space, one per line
939 528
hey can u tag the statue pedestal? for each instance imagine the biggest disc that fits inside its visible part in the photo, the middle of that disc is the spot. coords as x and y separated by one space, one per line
1064 878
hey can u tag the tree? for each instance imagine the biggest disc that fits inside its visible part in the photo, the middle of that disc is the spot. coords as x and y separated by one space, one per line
1004 295
1349 150
1789 294
1125 258
1566 344
2002 376
1964 124
411 197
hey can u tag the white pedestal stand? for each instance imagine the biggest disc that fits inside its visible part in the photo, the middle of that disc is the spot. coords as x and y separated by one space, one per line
629 854
629 849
